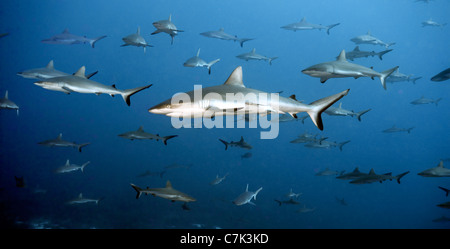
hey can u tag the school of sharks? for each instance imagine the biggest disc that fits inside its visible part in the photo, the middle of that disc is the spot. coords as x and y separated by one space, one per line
238 102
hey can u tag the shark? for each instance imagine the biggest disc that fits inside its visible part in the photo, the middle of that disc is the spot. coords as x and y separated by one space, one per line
341 201
167 192
47 72
59 142
246 197
431 23
398 77
341 68
438 171
141 134
396 129
304 209
81 84
220 34
444 205
369 39
357 53
67 168
442 219
291 194
290 201
352 175
422 101
446 190
135 40
67 38
304 25
326 144
218 179
166 26
241 143
218 104
373 177
7 104
252 55
327 172
307 137
196 61
343 112
444 75
81 200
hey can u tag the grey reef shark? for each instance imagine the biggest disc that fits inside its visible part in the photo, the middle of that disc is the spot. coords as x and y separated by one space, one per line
135 40
444 75
59 142
304 25
68 39
196 61
241 143
220 34
140 134
47 72
166 26
252 55
7 104
167 192
246 197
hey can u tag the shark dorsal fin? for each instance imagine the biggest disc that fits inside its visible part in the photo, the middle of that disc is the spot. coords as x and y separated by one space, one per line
293 97
140 129
341 56
138 31
303 19
246 189
80 195
66 31
356 170
50 65
242 139
253 50
59 136
67 162
441 164
368 33
170 18
168 184
372 172
221 29
340 105
81 72
356 48
6 94
235 78
198 52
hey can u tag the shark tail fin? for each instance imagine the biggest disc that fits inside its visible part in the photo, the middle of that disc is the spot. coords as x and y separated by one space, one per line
84 165
386 74
138 190
167 138
359 114
414 79
400 176
224 142
93 41
210 64
256 193
126 94
279 202
409 129
81 146
390 44
342 144
331 26
446 190
437 101
271 59
380 54
241 41
319 106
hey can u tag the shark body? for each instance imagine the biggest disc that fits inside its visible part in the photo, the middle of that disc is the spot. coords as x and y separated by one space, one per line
68 39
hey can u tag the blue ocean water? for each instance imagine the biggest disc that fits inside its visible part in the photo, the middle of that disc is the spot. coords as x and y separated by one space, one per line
276 165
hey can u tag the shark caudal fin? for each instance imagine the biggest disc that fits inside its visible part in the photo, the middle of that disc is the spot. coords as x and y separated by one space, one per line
84 165
82 145
400 176
93 41
389 44
342 144
446 190
138 190
435 102
319 106
224 142
210 64
126 94
271 59
380 54
331 26
359 114
241 41
256 193
167 138
386 74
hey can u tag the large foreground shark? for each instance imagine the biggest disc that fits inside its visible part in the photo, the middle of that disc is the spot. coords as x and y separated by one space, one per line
304 25
67 38
196 61
141 134
217 103
341 68
252 55
59 142
6 103
438 171
220 34
81 84
369 39
135 40
166 26
47 72
167 193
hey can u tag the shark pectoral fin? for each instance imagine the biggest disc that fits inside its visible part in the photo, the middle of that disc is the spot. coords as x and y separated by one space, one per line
252 203
323 80
67 90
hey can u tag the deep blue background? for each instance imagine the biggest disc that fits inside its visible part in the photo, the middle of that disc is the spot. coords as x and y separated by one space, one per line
276 165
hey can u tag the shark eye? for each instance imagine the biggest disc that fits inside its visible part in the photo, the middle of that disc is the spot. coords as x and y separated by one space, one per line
168 106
